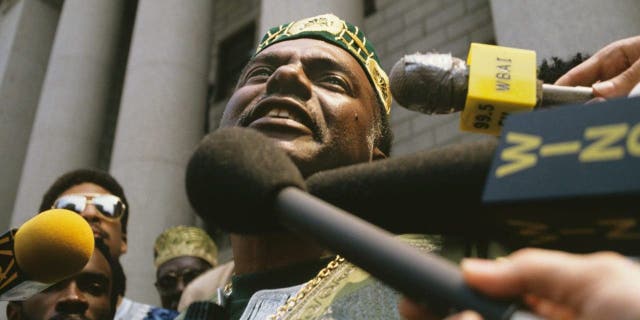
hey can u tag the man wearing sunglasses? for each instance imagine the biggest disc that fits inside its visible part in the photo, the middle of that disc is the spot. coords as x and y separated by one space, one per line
99 198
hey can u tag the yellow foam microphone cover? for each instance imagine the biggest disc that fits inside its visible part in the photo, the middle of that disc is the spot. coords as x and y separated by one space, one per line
53 245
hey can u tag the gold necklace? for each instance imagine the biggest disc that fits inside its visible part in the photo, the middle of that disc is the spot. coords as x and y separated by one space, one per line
306 289
228 288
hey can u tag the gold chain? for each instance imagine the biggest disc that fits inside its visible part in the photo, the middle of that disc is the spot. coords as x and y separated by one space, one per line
228 288
306 289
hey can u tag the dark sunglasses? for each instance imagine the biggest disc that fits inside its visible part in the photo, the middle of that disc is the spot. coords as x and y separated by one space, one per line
110 206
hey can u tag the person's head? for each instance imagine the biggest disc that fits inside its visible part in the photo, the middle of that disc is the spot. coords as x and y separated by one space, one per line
91 294
316 87
181 254
99 198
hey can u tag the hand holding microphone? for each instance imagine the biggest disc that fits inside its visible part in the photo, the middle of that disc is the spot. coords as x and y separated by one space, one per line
498 81
554 284
438 83
505 81
612 71
49 247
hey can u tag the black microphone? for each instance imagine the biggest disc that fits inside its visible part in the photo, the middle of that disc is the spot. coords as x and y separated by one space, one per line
551 183
264 187
232 179
435 191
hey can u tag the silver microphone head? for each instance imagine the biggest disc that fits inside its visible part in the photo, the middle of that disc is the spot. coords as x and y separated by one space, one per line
430 82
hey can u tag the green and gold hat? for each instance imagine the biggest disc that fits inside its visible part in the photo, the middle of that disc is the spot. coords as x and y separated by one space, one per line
329 28
183 241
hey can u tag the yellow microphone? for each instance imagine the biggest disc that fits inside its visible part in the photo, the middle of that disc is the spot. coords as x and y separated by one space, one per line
46 249
494 82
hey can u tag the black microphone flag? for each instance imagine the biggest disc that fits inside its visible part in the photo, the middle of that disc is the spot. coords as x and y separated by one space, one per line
569 178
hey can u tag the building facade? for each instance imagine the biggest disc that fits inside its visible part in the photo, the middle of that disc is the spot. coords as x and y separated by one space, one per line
132 86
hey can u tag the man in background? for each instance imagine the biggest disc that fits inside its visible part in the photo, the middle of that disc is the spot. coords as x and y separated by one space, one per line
180 255
91 294
99 198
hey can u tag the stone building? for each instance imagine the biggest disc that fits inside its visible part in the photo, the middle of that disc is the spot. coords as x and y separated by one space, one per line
131 86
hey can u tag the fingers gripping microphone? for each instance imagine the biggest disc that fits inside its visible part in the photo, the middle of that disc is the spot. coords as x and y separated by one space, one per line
50 247
273 195
494 82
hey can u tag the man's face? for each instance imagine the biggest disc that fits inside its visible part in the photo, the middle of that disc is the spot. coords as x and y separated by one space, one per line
174 275
85 296
109 230
313 98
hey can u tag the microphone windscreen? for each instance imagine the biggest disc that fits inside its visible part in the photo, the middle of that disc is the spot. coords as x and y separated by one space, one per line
233 177
433 191
53 245
430 83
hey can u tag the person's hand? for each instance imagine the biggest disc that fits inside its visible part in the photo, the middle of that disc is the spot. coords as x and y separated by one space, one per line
612 71
554 284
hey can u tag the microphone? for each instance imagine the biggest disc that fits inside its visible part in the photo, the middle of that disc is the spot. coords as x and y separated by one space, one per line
498 82
48 248
435 191
234 189
245 159
438 83
570 187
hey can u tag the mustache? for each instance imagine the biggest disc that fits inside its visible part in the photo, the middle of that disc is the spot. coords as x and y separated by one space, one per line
99 232
249 113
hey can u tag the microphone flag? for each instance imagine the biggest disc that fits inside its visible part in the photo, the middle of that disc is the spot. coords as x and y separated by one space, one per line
572 175
13 284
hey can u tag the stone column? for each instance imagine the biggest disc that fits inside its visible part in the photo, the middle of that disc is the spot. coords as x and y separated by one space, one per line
69 120
162 117
276 12
27 29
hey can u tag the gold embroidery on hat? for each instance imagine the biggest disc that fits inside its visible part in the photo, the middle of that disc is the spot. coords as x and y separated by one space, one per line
331 24
181 241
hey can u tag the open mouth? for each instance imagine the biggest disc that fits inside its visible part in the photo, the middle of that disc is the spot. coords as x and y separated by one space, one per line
283 114
280 116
